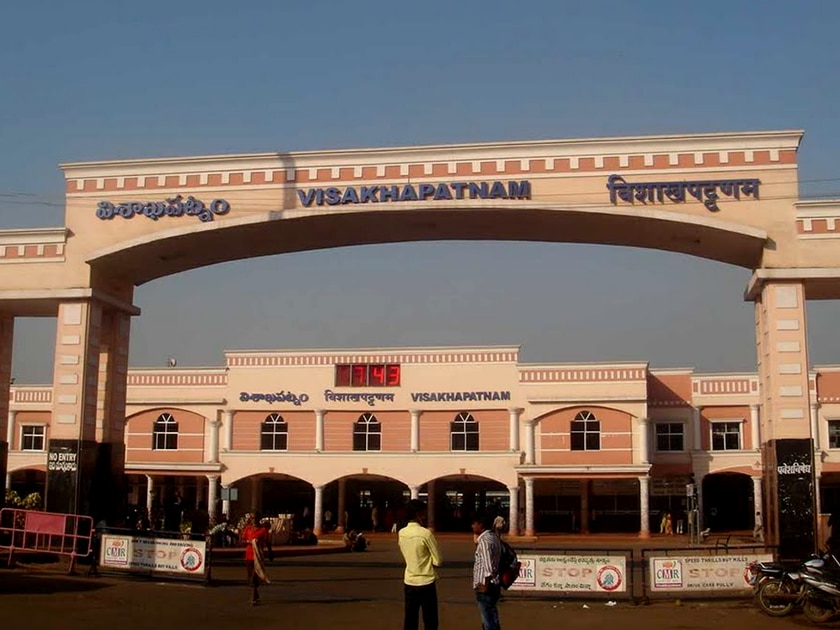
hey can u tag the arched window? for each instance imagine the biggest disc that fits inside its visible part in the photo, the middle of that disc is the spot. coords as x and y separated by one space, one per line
586 432
165 433
274 433
463 433
367 433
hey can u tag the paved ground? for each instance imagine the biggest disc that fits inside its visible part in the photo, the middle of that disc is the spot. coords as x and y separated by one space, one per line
345 591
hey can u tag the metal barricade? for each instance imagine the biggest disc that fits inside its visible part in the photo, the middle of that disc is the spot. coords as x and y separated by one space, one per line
46 532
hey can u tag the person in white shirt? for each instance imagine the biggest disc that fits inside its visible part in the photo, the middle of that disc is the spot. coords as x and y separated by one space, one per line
488 553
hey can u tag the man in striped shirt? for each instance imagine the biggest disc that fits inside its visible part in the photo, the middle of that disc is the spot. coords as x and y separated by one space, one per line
488 553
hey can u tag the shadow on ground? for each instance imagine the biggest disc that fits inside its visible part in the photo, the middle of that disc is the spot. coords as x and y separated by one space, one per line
17 583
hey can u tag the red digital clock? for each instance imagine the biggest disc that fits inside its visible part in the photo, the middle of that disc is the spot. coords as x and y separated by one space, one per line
367 375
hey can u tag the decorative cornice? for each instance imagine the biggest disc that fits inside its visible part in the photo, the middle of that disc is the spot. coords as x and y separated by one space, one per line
508 159
398 355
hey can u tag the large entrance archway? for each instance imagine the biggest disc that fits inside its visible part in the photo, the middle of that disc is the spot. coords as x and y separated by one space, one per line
697 194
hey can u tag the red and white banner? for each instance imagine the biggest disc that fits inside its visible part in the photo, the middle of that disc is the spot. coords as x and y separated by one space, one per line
702 573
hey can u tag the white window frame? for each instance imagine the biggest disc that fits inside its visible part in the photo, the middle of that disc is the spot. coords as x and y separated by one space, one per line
739 421
278 421
31 425
656 436
828 422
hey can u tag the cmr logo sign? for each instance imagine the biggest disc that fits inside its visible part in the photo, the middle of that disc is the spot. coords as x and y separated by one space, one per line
667 573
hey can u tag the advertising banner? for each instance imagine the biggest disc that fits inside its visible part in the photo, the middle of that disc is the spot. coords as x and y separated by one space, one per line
153 555
579 574
702 573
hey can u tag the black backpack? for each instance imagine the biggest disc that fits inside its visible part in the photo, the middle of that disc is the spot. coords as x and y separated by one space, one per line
509 565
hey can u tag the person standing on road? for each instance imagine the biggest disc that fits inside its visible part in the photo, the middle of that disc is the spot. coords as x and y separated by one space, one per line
488 553
257 543
421 553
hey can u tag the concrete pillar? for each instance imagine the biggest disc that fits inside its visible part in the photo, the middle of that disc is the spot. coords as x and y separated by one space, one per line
529 506
415 492
644 440
415 430
755 430
430 509
342 506
212 484
7 327
199 492
225 502
530 441
213 455
514 412
319 429
318 510
150 494
758 502
644 506
227 420
513 513
697 442
10 430
815 425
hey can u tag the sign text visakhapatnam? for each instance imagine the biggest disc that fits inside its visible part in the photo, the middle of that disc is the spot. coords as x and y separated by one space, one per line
334 196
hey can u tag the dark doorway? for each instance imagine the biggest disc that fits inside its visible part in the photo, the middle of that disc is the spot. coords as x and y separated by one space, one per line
728 502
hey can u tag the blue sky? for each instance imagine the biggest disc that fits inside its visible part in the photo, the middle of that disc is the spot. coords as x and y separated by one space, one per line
98 80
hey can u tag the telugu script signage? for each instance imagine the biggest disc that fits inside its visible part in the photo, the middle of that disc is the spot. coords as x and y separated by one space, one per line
702 573
708 190
449 191
279 397
154 210
572 574
153 555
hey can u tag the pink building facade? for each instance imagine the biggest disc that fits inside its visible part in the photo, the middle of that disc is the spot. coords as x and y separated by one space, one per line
343 437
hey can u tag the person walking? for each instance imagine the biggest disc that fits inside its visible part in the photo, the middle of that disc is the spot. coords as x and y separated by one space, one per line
257 543
422 555
485 578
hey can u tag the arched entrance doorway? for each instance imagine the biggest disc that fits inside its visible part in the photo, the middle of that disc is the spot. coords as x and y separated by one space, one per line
274 494
454 500
728 502
364 502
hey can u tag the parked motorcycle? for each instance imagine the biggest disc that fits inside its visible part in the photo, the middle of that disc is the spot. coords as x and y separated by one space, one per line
822 593
778 590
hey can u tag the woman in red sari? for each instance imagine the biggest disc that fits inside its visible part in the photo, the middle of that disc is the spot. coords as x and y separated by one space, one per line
257 542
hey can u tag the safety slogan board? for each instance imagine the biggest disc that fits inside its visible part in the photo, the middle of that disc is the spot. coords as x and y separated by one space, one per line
145 555
702 573
579 574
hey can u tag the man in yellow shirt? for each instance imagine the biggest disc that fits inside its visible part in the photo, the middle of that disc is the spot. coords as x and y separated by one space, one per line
421 553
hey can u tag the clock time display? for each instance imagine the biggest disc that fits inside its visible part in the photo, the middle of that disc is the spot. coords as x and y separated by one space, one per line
367 375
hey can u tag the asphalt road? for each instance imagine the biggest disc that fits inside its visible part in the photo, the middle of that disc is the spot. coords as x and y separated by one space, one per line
344 591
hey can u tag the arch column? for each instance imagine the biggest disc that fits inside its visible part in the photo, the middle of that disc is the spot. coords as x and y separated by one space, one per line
513 513
815 424
414 491
514 414
319 429
150 495
755 430
213 455
529 506
786 425
415 430
644 506
7 328
318 511
212 496
226 493
227 421
342 506
10 440
530 441
430 504
758 502
644 440
696 436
